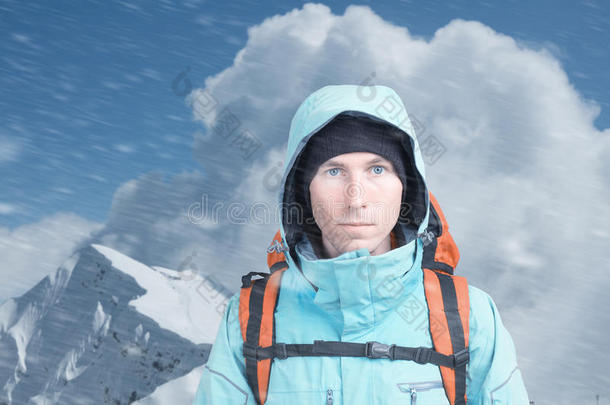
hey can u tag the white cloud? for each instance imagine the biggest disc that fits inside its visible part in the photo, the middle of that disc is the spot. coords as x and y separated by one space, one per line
161 223
31 252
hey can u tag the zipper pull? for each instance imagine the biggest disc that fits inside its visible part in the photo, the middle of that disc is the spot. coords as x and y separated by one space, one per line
411 388
329 397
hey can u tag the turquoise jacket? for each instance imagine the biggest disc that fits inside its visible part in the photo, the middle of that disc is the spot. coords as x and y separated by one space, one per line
356 300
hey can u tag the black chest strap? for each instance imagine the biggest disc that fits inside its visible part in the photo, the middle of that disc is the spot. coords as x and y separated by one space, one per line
372 350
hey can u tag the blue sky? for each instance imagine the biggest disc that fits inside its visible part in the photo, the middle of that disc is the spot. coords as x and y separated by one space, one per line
87 100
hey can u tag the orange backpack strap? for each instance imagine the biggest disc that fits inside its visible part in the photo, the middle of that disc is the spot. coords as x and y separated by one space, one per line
257 302
441 253
449 310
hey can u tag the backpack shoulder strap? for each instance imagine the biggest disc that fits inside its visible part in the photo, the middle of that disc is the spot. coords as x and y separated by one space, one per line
257 303
441 253
449 311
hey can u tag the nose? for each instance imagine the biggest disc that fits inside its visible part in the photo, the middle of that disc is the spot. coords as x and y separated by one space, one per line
355 194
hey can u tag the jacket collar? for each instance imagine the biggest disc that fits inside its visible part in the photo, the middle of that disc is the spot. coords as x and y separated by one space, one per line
359 289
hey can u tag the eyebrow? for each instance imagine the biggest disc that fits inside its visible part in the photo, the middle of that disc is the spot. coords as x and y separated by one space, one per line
339 164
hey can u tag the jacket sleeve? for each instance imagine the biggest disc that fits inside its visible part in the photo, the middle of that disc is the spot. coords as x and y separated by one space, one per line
224 377
493 375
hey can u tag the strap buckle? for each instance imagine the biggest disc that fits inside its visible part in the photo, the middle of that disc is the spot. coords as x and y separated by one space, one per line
376 350
462 357
246 281
422 355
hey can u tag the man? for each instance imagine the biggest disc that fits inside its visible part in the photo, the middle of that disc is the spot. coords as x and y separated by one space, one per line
356 176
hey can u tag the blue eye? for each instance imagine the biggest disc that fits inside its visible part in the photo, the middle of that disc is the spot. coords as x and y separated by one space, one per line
380 167
329 170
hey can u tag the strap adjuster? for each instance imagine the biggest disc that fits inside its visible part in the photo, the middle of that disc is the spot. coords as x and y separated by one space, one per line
246 280
462 357
376 350
280 351
422 355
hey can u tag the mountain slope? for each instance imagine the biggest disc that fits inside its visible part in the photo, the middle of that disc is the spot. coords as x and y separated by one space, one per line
105 328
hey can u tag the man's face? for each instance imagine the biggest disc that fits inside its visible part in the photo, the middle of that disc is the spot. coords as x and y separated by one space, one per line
356 188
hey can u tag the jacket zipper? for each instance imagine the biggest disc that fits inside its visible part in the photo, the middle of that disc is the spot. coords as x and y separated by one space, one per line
329 397
413 388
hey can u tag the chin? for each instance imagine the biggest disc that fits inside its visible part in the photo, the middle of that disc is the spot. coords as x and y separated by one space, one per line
359 244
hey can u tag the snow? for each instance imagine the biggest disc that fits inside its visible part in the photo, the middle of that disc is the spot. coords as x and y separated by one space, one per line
8 313
138 332
69 367
100 320
64 271
22 331
179 391
46 399
159 301
189 306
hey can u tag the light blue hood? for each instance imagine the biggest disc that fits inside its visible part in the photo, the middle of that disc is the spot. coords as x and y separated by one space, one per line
342 286
319 108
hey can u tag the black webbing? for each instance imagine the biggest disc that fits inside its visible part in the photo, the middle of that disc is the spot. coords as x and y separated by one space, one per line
456 332
373 350
278 266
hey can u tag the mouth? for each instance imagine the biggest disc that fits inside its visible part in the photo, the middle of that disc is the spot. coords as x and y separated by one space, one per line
356 224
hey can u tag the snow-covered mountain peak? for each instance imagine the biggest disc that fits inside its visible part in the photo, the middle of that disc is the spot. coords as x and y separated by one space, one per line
105 328
184 302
